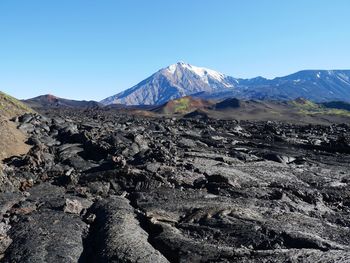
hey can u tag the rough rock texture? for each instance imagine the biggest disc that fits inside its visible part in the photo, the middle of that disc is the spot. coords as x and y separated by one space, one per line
143 189
118 236
41 231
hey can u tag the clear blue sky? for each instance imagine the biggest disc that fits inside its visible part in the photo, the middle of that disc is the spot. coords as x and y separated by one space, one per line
86 49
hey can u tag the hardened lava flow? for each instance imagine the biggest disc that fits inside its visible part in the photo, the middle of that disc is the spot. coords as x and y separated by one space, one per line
98 186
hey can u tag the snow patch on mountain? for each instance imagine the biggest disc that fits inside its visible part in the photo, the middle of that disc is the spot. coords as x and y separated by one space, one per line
204 73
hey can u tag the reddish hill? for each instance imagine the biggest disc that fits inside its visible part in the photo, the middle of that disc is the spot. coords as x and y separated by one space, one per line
51 101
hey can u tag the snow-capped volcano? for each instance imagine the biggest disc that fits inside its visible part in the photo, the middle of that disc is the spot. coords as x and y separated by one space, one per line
183 79
175 81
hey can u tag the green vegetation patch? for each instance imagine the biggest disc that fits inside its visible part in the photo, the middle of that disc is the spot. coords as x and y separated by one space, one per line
304 104
182 105
11 106
307 107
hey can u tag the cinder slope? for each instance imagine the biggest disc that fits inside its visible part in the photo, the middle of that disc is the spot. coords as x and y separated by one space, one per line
182 105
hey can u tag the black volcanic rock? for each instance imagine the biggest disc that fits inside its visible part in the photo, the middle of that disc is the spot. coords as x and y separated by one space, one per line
98 186
116 230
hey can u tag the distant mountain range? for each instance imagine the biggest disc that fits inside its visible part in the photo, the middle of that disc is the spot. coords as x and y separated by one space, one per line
183 79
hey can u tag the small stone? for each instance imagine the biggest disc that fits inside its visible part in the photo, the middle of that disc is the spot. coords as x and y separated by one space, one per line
5 242
91 218
4 228
26 185
119 160
73 206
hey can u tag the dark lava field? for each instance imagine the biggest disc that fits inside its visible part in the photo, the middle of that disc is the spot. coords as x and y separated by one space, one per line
98 186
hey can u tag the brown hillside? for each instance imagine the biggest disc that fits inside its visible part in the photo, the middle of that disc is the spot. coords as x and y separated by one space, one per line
12 140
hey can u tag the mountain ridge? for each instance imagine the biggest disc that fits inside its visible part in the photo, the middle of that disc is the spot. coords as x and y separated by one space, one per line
51 101
182 79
